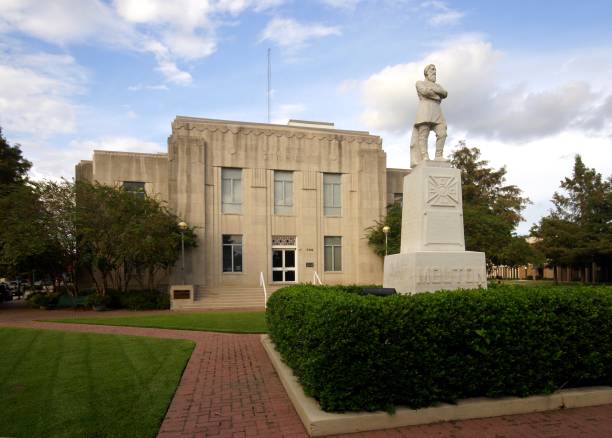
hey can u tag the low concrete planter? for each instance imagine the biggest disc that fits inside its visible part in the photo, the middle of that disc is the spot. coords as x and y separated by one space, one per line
320 423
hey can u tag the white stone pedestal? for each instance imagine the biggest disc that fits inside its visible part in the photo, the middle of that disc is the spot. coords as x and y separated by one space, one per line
432 255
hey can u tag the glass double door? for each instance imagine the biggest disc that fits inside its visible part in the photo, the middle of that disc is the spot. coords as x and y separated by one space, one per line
283 265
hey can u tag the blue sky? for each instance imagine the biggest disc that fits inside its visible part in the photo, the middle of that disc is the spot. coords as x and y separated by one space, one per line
530 82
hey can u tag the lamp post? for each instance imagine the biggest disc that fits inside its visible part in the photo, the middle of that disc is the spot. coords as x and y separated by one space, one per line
183 227
386 230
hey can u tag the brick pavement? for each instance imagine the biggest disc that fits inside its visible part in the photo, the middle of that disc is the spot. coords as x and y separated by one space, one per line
230 389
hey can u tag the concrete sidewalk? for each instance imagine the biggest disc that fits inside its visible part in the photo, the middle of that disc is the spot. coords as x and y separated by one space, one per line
230 389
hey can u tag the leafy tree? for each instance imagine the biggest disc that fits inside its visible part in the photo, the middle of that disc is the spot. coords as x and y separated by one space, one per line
491 211
491 208
376 236
37 230
13 167
23 232
122 236
578 231
518 252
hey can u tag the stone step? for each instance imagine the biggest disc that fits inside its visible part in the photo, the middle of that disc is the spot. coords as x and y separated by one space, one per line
228 298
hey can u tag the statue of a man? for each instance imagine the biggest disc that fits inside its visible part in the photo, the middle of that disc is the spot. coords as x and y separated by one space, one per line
429 118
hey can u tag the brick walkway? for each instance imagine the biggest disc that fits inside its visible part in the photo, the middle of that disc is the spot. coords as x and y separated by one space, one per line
230 389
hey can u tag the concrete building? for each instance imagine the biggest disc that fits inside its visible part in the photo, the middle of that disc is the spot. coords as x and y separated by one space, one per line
286 202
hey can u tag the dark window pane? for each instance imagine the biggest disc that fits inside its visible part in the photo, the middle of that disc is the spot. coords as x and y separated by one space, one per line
237 258
289 259
277 259
277 275
227 258
232 238
337 258
289 275
328 262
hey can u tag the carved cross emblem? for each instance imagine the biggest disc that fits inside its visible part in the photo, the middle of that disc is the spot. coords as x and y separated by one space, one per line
442 191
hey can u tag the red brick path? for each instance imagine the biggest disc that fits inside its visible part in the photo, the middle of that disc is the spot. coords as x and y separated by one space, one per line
230 389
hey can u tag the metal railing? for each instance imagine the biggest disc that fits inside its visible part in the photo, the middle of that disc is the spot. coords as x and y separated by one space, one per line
316 279
262 284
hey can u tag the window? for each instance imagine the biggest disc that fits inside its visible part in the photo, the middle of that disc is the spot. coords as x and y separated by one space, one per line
332 200
283 192
332 253
137 188
231 190
232 253
398 198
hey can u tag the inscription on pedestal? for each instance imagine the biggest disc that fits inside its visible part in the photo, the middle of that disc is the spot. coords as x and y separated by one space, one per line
443 227
440 275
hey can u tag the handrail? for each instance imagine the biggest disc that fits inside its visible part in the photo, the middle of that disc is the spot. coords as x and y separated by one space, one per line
262 284
316 278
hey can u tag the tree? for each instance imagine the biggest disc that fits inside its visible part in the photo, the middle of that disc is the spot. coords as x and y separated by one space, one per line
121 236
24 243
13 167
376 236
491 211
578 231
37 230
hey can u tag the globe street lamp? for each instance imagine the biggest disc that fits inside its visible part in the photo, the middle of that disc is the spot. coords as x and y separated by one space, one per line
183 227
386 230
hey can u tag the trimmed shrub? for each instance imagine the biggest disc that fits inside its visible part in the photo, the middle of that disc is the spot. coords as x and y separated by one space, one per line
354 352
139 299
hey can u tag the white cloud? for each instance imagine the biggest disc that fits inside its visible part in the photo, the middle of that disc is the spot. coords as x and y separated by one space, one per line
342 4
139 87
285 112
482 100
36 92
291 34
443 15
64 21
173 31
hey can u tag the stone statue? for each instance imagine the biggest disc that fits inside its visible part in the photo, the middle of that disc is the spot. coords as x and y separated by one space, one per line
429 117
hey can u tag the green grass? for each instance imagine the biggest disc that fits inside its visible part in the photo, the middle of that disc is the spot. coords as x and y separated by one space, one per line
229 322
65 384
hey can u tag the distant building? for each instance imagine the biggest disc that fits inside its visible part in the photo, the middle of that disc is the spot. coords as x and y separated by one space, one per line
282 201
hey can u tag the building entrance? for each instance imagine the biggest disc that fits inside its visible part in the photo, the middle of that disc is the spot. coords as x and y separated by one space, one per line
284 259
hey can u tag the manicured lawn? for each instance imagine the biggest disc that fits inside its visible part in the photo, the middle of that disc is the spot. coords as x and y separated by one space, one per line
230 322
64 384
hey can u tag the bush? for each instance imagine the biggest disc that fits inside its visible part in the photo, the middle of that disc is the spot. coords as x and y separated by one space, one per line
97 300
354 352
42 299
138 299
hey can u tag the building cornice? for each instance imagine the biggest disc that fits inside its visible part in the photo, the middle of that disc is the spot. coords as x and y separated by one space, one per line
223 126
132 154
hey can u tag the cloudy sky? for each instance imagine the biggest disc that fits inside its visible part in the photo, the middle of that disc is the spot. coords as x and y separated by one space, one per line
529 82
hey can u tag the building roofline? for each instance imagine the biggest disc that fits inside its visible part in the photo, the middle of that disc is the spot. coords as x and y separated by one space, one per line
125 153
270 125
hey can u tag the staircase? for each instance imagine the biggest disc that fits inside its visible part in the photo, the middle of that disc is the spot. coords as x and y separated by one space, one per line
228 298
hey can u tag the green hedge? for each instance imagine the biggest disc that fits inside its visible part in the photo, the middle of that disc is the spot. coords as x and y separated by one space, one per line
140 299
354 352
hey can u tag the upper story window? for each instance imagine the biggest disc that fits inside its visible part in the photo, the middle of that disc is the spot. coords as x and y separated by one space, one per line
332 189
231 190
136 188
398 198
283 192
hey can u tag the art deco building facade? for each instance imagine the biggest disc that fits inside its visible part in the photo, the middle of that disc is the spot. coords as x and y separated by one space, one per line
286 202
